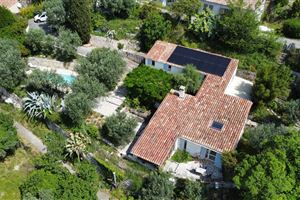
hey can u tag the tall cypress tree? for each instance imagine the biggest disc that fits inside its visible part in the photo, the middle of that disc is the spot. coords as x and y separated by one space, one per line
79 18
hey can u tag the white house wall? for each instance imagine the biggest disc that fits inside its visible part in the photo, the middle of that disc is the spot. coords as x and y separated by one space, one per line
197 150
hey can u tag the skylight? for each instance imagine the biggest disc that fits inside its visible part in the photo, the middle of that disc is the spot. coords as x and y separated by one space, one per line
217 125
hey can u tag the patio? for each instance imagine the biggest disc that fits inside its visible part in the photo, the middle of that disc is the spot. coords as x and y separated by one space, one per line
201 169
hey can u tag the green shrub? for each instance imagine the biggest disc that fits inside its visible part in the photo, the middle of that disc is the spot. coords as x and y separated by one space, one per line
107 169
8 136
291 28
148 85
99 22
181 156
31 10
119 128
6 17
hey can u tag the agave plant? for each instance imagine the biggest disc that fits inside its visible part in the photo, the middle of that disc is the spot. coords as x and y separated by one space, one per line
38 105
76 145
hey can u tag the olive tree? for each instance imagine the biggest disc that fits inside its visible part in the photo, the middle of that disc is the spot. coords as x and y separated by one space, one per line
55 12
119 128
12 66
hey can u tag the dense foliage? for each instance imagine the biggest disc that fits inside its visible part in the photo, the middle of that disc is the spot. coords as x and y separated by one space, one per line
156 187
291 112
12 66
79 18
291 28
77 107
148 85
204 24
181 156
186 7
90 86
6 17
272 81
8 136
274 172
155 27
104 65
119 128
186 189
190 78
63 47
55 12
120 8
47 81
55 182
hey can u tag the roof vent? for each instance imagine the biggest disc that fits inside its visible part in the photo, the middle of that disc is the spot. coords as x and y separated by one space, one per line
217 125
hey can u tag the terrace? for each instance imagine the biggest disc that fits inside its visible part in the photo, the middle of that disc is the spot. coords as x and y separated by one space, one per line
198 169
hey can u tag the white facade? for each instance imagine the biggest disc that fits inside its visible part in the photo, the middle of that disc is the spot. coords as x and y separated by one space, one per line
197 150
163 66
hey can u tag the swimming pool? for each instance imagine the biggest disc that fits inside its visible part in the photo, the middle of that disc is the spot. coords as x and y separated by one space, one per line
68 78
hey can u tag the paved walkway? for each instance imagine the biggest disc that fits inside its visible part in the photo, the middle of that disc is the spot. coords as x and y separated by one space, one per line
31 138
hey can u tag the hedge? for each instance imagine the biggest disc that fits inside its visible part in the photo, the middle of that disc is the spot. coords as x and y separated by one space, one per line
6 17
291 28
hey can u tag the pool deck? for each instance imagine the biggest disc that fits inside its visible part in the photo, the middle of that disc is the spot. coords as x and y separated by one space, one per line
45 64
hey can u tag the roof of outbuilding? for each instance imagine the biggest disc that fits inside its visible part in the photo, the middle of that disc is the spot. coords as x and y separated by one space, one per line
8 3
191 117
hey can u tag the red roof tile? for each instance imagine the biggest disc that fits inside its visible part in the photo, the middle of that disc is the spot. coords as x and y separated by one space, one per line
191 118
8 3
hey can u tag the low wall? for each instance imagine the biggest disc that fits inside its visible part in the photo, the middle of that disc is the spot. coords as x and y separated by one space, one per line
134 56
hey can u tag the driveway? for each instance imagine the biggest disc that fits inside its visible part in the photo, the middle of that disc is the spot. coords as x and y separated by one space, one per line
41 25
31 138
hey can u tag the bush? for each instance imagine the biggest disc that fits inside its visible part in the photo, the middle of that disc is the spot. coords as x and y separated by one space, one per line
46 81
148 85
8 136
66 44
291 28
79 18
98 22
181 156
272 81
34 40
77 107
291 112
12 66
104 65
6 17
120 8
31 10
119 128
157 186
89 86
55 12
155 27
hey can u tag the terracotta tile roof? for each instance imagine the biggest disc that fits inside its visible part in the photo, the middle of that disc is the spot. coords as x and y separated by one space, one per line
248 3
161 51
191 118
8 3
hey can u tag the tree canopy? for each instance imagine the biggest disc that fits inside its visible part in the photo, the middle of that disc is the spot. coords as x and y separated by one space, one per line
104 65
12 66
273 173
119 128
148 85
55 12
120 8
155 27
77 107
79 18
6 17
272 81
186 7
156 187
8 136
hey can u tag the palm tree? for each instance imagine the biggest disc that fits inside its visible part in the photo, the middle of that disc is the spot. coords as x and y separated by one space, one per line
76 145
38 105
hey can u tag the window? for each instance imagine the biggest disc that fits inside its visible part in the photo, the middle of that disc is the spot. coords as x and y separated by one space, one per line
223 11
184 144
217 125
211 155
153 62
169 67
211 7
205 6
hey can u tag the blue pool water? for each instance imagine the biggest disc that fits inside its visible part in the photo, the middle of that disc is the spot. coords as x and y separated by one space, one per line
68 78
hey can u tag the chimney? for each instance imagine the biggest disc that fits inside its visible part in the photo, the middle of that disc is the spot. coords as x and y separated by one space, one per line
181 92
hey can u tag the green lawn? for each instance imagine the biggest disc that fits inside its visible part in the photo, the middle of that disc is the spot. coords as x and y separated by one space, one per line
13 171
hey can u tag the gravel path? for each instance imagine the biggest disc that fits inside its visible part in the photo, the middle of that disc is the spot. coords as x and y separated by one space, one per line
31 138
